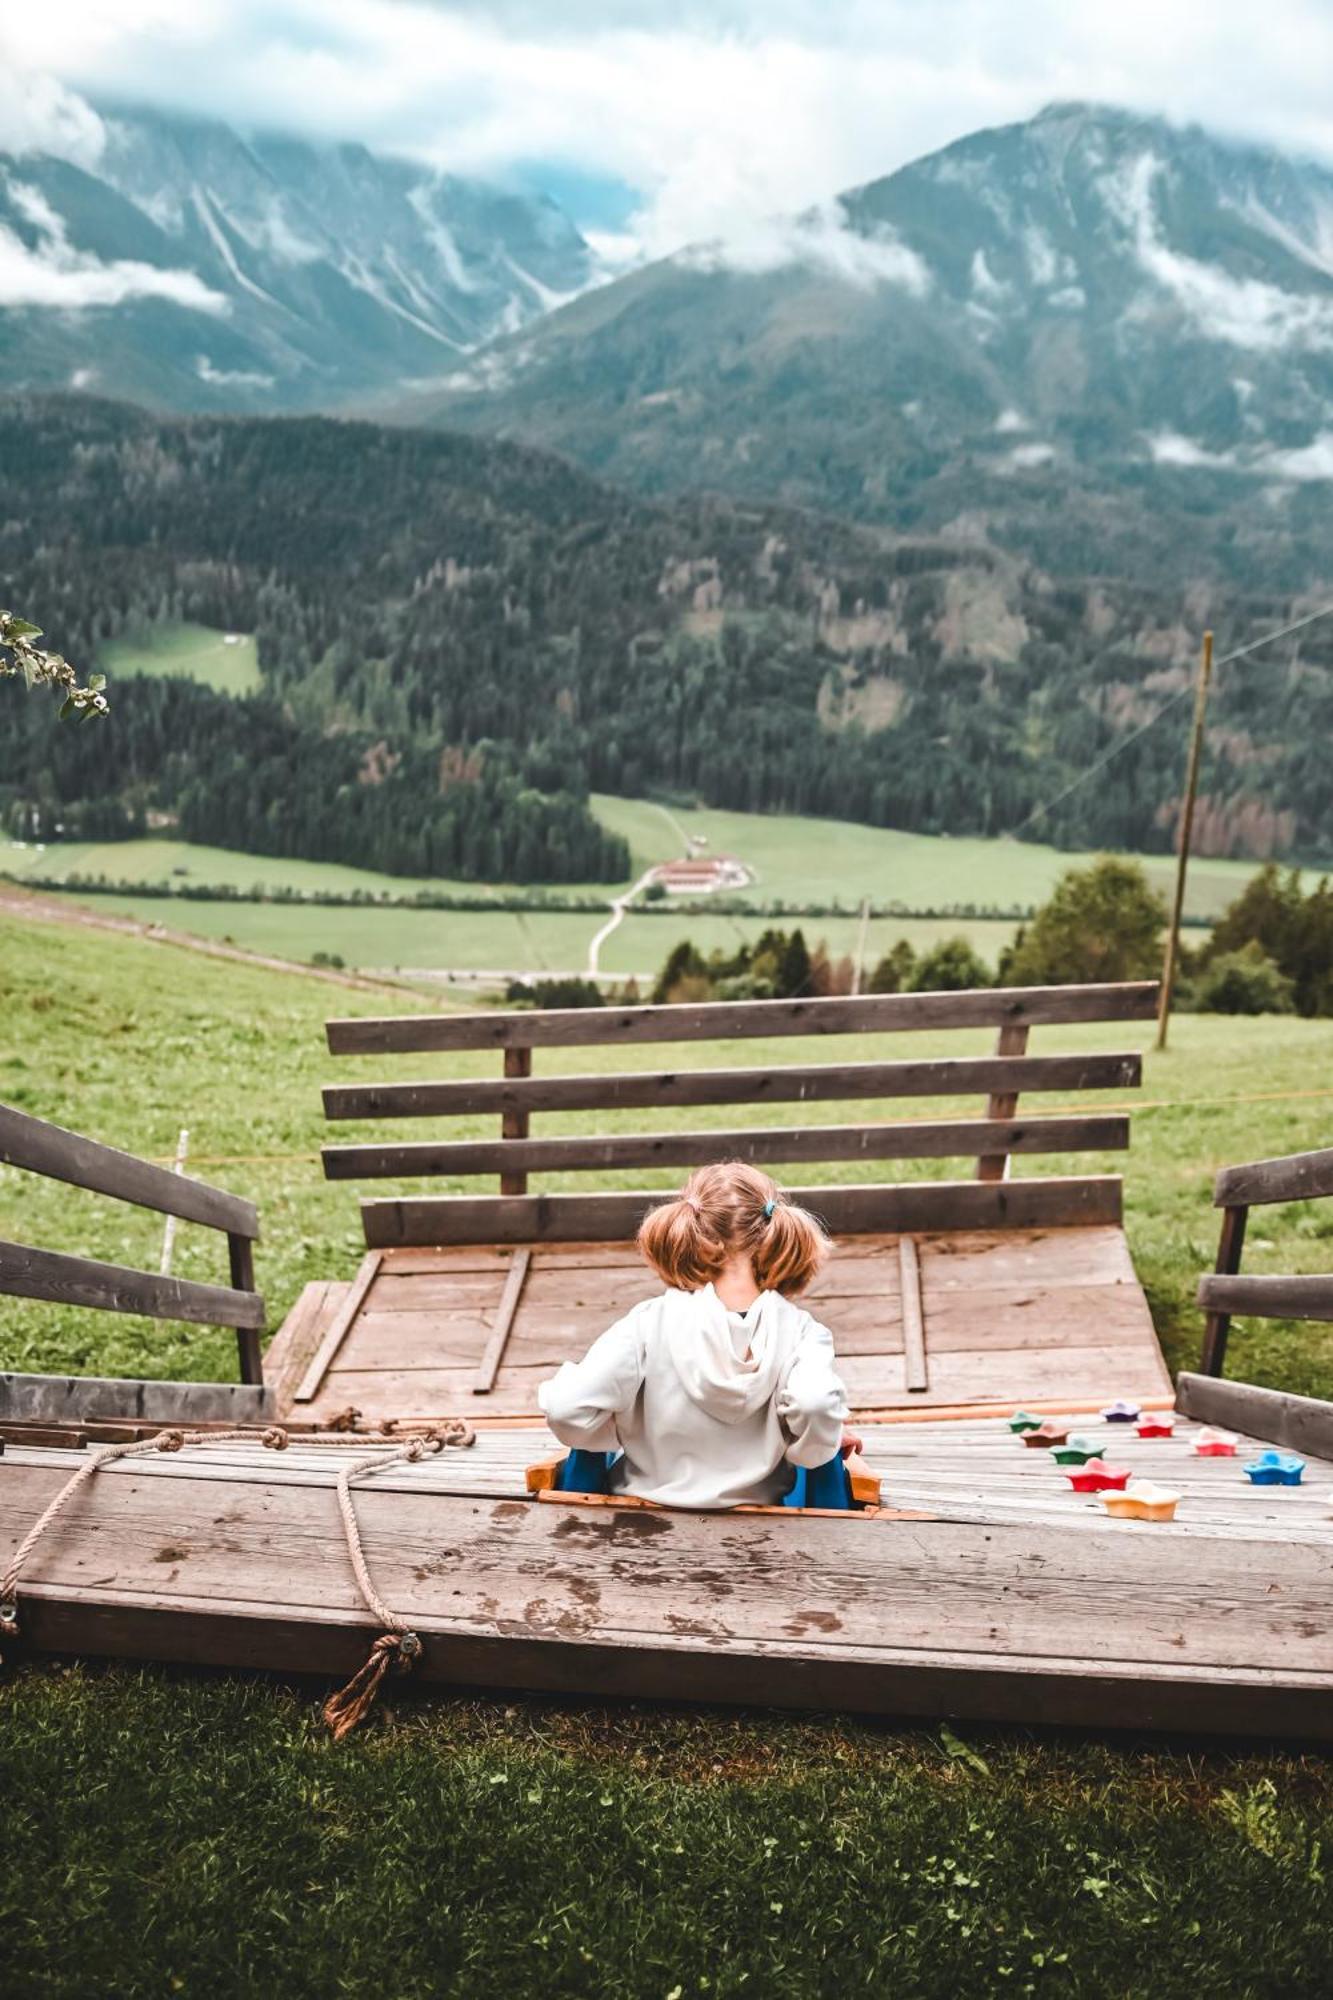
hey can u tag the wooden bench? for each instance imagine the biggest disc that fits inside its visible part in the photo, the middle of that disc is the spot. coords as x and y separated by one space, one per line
26 1272
983 1290
1225 1294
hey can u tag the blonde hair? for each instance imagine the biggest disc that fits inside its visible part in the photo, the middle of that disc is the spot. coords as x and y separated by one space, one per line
726 1209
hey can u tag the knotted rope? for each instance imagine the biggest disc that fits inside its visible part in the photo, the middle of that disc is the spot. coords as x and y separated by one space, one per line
396 1645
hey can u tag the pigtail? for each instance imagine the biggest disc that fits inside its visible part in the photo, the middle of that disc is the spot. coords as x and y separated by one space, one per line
790 1248
682 1244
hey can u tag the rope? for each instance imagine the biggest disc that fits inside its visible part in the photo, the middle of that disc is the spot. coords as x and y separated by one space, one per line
397 1645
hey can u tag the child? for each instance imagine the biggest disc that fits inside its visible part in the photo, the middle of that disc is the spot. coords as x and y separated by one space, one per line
718 1387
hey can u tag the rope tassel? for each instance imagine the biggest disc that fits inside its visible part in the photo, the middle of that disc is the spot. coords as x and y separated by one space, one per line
396 1646
342 1711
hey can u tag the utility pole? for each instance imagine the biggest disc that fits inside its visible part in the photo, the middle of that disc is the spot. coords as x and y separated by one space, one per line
1186 832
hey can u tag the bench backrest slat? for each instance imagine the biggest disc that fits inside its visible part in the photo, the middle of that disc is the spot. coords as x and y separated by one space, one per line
947 1076
921 1139
578 1218
729 1020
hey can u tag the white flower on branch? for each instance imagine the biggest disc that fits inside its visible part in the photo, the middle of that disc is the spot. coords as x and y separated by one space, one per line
18 655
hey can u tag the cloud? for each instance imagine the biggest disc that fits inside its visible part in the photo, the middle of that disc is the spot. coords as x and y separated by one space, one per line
820 239
1025 456
1244 312
1311 461
42 116
231 378
51 273
1170 448
717 113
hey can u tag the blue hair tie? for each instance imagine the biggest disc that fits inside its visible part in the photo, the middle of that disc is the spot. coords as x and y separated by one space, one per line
769 1206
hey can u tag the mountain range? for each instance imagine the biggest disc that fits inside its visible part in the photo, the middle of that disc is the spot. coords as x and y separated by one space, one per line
178 262
1054 333
1094 339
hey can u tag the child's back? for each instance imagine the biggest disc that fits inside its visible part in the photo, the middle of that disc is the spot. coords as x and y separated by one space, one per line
715 1389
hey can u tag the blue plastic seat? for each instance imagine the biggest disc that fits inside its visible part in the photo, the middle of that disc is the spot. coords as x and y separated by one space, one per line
823 1486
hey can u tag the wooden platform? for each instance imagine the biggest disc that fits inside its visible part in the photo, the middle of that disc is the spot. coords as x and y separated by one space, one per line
1008 1317
997 1593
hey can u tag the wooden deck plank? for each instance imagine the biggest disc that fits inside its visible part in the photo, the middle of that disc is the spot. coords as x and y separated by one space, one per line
493 1353
332 1337
1000 1594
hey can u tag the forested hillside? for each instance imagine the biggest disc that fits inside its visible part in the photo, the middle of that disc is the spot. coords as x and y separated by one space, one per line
459 638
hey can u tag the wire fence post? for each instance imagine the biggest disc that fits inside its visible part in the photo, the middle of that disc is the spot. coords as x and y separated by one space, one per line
169 1231
1186 831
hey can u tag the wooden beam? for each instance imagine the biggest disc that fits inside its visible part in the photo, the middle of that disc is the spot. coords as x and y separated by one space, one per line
1269 1298
514 1124
241 1257
489 1366
915 1375
818 1083
727 1020
1011 1041
41 1148
916 1139
1299 1423
922 1205
336 1331
74 1399
1294 1177
1217 1325
26 1273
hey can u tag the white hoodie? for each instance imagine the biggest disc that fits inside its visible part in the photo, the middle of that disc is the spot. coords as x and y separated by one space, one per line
708 1406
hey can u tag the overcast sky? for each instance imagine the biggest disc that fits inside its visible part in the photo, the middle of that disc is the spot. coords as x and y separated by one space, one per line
670 120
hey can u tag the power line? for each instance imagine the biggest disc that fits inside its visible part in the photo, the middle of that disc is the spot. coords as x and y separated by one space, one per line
1227 659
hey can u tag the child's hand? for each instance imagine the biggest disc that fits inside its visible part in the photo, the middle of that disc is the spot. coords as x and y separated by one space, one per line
850 1443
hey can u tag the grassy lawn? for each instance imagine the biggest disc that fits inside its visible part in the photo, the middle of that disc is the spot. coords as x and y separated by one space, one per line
521 941
188 652
167 1832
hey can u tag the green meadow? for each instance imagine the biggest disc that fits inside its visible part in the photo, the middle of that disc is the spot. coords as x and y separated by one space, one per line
823 861
197 1833
828 863
228 662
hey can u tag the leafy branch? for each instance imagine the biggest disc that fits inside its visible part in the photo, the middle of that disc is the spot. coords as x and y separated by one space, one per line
18 655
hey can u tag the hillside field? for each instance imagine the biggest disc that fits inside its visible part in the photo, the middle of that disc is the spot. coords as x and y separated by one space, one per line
796 861
628 1851
506 941
227 662
823 860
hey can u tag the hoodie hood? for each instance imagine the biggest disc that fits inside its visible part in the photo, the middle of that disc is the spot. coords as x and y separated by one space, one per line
702 1345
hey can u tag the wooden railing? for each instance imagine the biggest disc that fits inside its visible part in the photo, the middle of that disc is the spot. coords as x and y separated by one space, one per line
991 1140
26 1272
1225 1294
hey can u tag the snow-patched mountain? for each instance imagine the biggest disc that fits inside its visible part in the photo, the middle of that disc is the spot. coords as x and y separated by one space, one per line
178 261
1070 302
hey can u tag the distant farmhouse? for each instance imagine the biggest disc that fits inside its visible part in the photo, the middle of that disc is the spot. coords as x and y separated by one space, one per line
702 875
